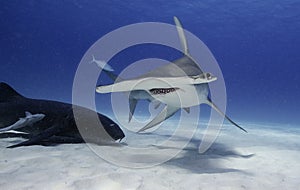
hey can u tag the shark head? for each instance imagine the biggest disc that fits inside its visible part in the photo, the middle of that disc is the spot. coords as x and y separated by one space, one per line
111 128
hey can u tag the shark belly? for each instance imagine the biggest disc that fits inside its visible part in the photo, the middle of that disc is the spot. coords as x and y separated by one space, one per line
140 94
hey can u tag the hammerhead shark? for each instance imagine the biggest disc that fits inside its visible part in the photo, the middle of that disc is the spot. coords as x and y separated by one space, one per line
179 84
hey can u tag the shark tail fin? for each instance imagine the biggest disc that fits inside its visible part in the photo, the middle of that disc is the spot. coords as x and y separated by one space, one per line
182 37
210 103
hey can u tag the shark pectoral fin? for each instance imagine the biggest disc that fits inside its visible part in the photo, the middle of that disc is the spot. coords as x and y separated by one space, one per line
188 110
167 112
132 106
209 102
181 36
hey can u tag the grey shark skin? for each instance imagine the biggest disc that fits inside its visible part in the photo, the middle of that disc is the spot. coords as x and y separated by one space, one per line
183 68
57 127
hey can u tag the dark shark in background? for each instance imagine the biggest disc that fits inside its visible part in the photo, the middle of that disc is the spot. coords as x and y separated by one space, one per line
58 126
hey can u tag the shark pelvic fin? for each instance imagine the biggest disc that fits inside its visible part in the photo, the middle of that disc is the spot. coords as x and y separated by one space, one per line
167 112
187 110
210 103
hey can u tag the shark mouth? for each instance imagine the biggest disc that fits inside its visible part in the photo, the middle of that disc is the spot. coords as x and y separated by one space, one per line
157 91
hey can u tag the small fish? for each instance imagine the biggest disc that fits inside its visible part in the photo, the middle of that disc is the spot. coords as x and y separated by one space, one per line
102 64
28 120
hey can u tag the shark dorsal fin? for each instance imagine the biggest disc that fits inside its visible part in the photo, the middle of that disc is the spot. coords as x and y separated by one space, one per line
27 113
181 36
7 92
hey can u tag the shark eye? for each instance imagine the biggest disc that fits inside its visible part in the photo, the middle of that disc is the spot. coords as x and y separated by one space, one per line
208 75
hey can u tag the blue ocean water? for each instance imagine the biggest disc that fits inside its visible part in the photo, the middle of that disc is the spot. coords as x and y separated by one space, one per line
256 44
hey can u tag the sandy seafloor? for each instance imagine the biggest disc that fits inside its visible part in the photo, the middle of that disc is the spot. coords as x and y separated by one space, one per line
267 157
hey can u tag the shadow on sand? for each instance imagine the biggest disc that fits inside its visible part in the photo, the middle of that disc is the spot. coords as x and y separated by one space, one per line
209 162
